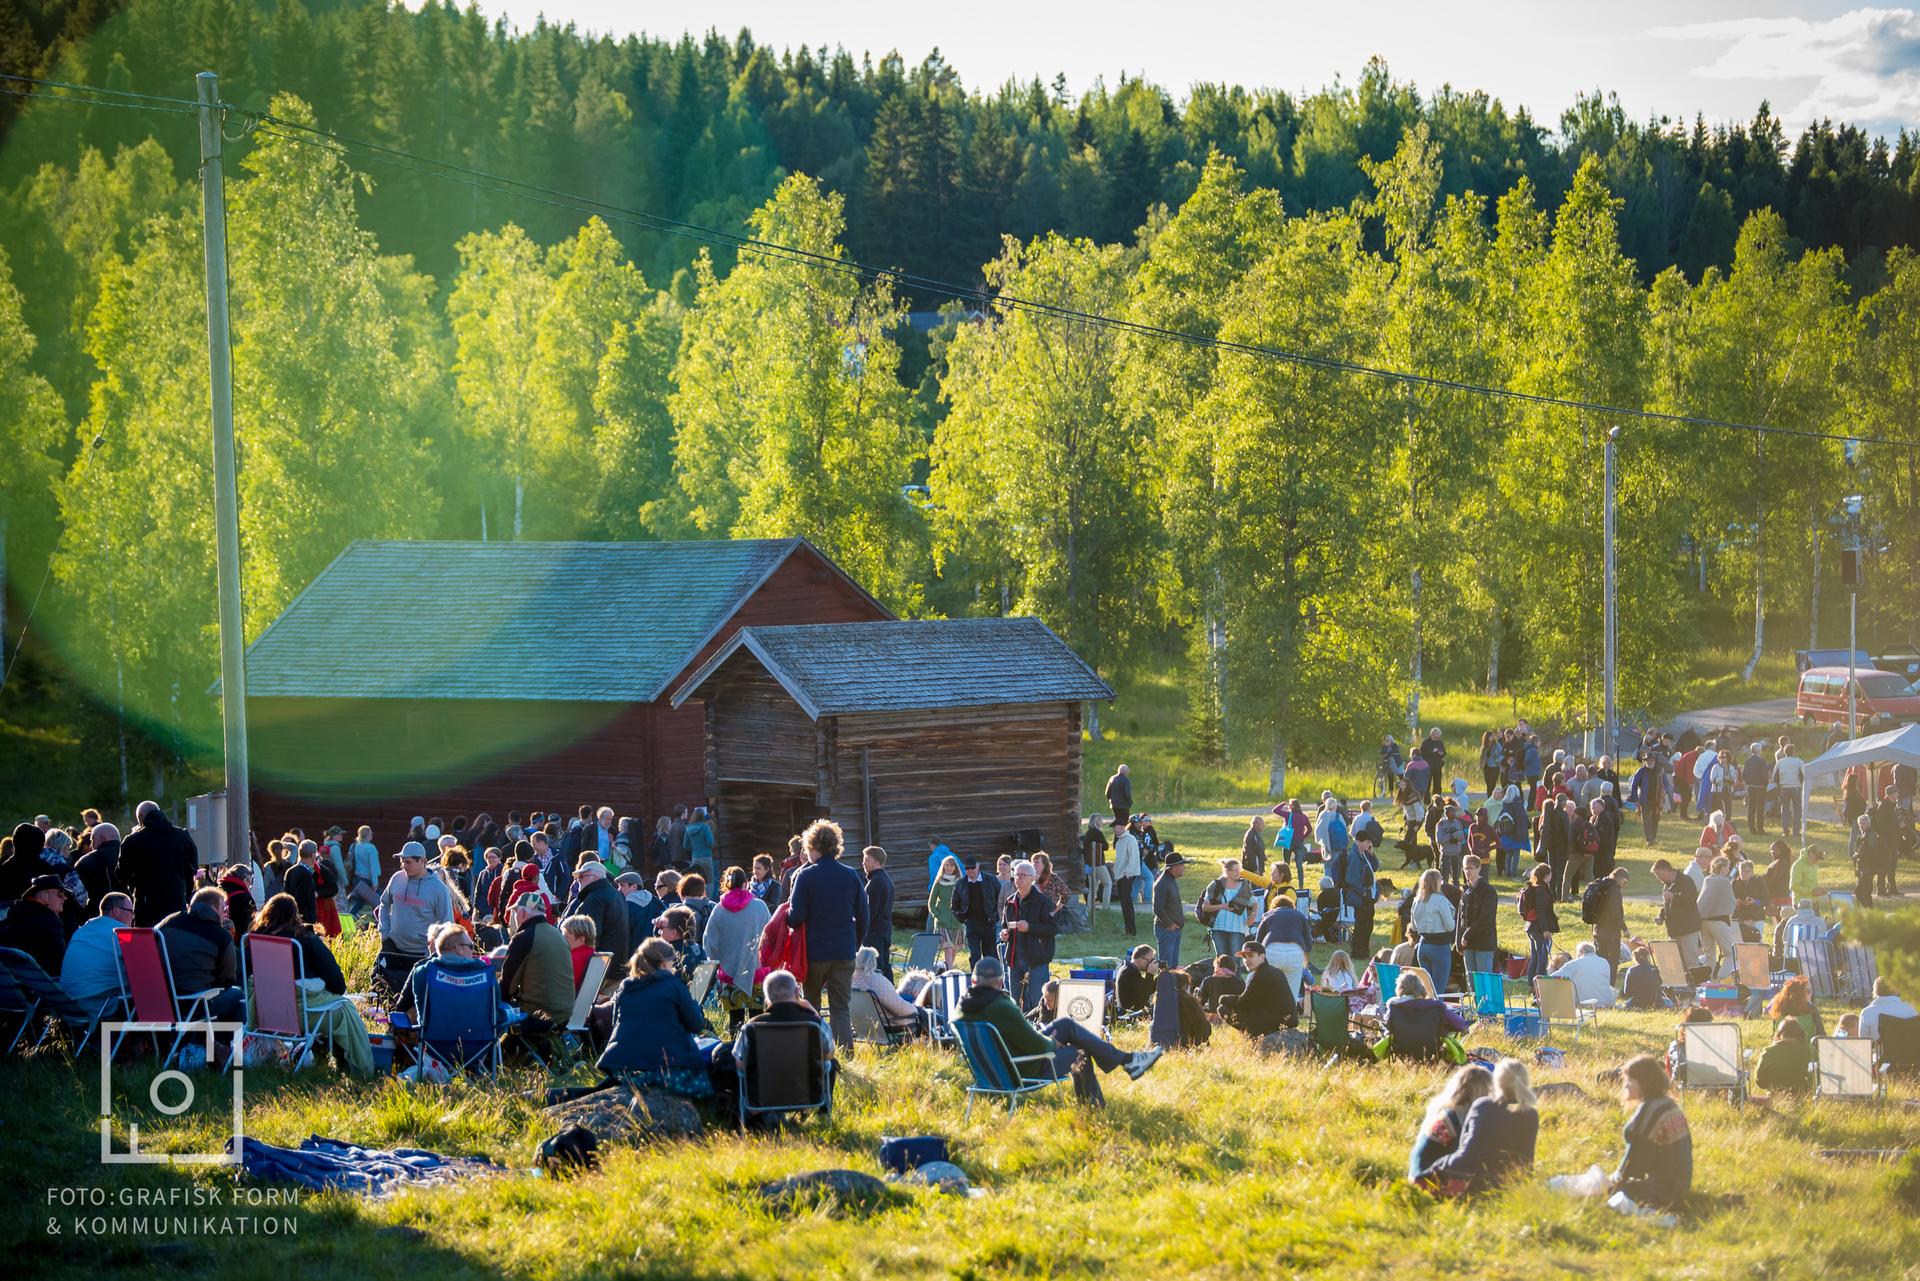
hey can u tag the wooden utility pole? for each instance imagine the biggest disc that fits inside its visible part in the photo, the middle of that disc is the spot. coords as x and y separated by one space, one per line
226 500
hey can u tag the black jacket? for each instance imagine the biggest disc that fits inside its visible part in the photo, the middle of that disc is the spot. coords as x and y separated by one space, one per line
977 903
300 885
1120 793
606 906
879 911
1683 910
1133 990
99 871
200 953
1267 1005
1032 947
157 862
1540 901
1479 911
35 929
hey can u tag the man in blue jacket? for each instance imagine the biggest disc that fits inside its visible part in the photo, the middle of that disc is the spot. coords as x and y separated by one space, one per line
830 900
879 891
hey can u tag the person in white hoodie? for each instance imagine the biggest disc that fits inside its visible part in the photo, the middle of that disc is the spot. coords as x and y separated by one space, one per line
1717 930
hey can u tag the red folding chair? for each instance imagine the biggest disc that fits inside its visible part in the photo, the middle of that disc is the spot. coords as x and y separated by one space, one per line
147 979
275 1008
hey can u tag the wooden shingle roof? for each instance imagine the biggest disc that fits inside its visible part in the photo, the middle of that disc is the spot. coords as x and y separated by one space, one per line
835 668
562 621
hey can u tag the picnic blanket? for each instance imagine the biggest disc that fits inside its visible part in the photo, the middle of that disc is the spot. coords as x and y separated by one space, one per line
330 1165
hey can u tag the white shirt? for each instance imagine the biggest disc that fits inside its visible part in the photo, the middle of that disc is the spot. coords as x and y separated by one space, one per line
1126 855
1789 771
1589 975
1433 916
1698 875
1703 764
1871 1012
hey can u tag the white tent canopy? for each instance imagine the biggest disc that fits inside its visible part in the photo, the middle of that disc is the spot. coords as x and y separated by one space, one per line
1901 746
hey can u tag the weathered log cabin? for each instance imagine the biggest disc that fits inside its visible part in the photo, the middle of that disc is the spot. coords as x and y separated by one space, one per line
965 731
445 678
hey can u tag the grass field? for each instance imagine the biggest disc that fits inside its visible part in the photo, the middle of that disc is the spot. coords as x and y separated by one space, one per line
1222 1162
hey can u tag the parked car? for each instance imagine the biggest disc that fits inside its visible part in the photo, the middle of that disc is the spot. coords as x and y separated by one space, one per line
1806 659
1882 698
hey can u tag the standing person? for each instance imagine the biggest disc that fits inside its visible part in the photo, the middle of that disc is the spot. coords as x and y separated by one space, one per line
1479 919
1028 929
1169 913
157 863
1357 877
1253 847
363 871
1583 847
1450 835
830 900
976 901
1391 767
1120 796
697 842
1715 906
1604 818
732 936
1680 910
1434 919
1490 761
301 882
1093 855
1286 941
1126 870
879 890
1433 750
1653 792
1789 774
414 901
1224 906
1605 908
677 838
1757 774
1543 922
1556 835
940 896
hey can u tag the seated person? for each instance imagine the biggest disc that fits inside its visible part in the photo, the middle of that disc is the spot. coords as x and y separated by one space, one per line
1326 910
912 984
537 975
676 925
1416 1022
90 971
1641 987
580 934
1446 1112
1049 1008
1794 1001
34 925
450 950
1496 1139
1223 981
1133 987
1592 980
1072 1048
1847 1025
1885 1001
1676 1065
1194 1027
1407 951
658 1031
1267 1004
1786 1065
786 1005
280 918
1338 977
201 954
896 1009
1657 1167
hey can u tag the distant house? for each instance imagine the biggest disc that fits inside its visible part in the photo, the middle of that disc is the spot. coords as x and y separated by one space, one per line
965 730
444 678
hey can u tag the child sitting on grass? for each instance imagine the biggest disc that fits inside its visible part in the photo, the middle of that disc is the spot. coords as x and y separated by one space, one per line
1338 976
1446 1112
1675 1067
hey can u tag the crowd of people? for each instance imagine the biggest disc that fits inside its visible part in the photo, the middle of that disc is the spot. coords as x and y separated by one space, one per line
531 902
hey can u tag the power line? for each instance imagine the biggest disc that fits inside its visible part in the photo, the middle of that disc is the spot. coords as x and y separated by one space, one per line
90 102
189 103
497 184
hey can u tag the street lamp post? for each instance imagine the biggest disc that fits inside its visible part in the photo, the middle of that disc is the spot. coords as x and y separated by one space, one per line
1851 563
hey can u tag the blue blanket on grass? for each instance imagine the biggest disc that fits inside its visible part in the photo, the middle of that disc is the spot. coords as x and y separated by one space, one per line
330 1165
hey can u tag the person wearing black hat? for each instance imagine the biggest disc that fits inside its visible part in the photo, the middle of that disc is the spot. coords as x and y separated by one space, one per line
976 901
1169 913
33 926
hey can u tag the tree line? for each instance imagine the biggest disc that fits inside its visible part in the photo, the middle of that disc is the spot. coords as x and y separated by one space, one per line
1314 547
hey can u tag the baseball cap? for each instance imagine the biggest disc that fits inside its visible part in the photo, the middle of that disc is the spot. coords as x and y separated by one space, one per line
413 849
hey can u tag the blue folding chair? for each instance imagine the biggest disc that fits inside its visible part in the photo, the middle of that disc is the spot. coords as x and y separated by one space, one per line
953 987
1388 978
461 1019
47 999
997 1071
1489 994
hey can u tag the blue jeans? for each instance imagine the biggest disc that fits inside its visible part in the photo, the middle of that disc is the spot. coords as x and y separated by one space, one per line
1478 962
1143 890
1437 960
1024 984
1167 944
1079 1053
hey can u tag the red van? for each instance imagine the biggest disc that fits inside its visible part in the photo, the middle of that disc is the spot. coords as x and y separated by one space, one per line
1882 698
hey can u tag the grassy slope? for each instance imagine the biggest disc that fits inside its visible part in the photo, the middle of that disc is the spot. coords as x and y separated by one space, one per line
1220 1163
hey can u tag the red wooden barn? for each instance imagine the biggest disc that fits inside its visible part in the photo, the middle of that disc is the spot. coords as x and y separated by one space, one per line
445 678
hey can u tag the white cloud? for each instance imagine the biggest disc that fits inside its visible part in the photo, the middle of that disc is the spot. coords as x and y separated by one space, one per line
1862 66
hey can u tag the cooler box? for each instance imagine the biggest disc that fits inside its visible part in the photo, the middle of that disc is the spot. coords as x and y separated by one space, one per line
1523 1023
1516 967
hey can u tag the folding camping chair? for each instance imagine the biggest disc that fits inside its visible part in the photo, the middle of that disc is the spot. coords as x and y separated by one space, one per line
460 1019
1085 1002
46 999
277 1009
1489 994
1674 979
1843 1069
1816 962
925 947
1898 1049
1860 969
1710 1059
1386 978
951 989
702 981
870 1023
1330 1030
577 1034
15 1007
779 1066
1752 964
1557 1002
147 979
997 1072
1414 1034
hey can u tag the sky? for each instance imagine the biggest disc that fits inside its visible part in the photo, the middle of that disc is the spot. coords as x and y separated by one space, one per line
1676 58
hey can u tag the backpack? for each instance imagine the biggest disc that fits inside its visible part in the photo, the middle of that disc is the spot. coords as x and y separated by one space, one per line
1592 899
1505 825
1589 839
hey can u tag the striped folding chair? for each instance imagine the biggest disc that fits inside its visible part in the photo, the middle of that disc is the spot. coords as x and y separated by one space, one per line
997 1072
1843 1069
